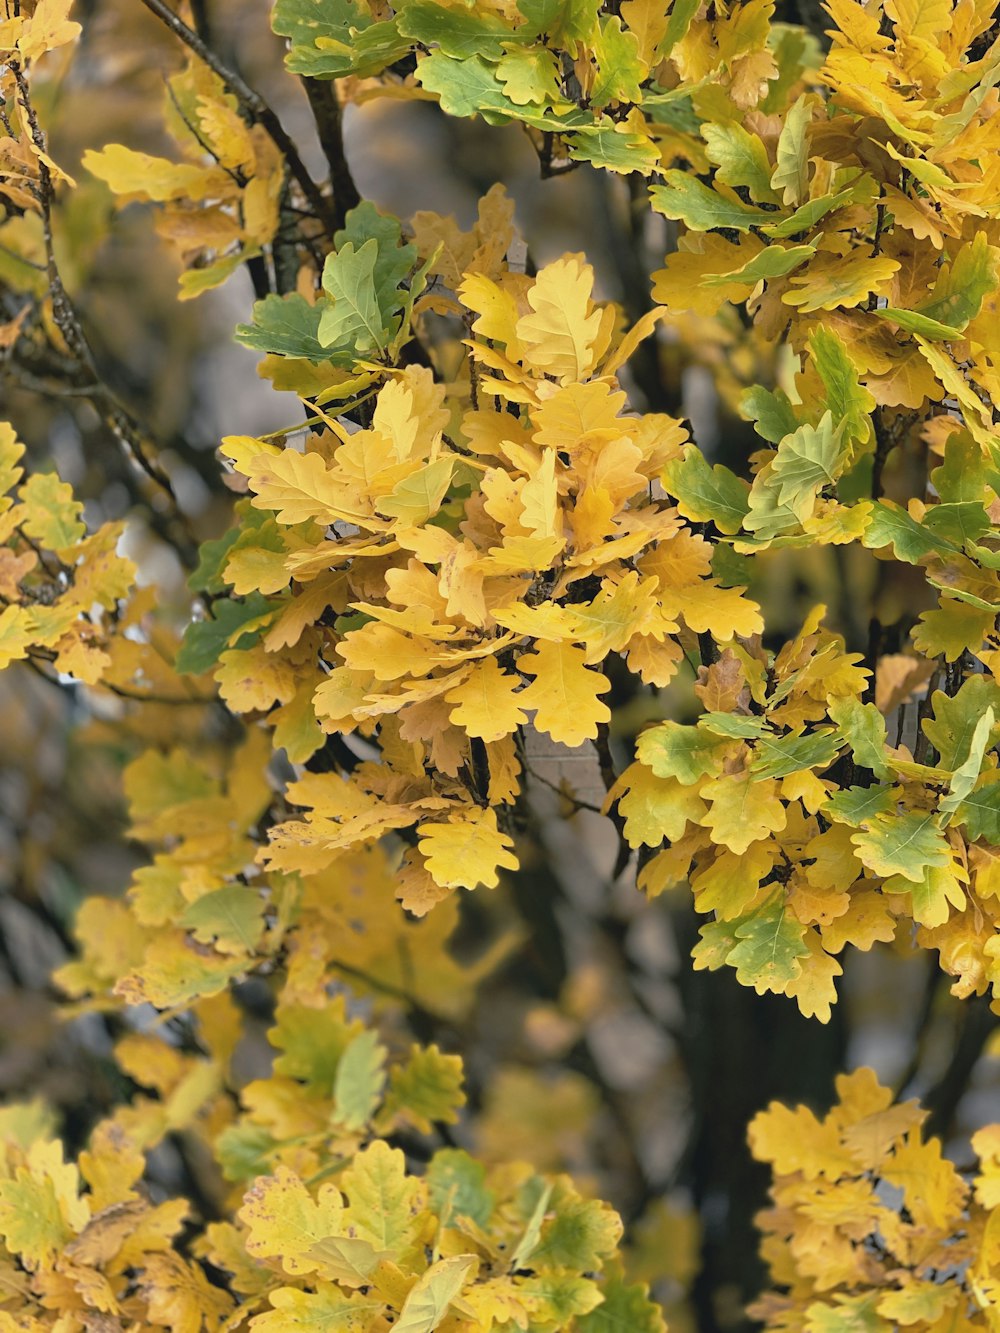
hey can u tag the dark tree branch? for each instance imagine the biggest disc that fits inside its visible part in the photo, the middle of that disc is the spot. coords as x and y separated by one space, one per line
329 117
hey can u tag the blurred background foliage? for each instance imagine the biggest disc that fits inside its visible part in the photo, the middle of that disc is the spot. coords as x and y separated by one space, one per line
590 1043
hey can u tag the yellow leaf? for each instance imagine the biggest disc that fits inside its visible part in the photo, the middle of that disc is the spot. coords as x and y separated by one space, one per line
48 27
300 487
496 307
179 1296
467 850
138 175
796 1141
933 1190
327 1307
251 679
17 632
285 1221
561 334
564 693
742 811
832 282
813 988
655 808
226 132
385 1205
487 703
429 1298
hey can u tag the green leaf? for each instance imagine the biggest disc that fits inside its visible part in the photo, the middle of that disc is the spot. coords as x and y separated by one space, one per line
959 523
355 318
564 22
205 641
795 51
678 22
965 473
359 1080
325 1310
466 87
232 918
774 262
706 493
791 174
771 411
619 68
685 753
671 107
849 401
686 199
427 1089
351 42
894 844
457 1187
417 497
626 1308
31 1220
459 33
961 286
54 516
287 325
806 217
911 541
554 1299
980 811
854 805
807 460
740 159
212 557
730 568
312 1042
931 895
382 1199
771 947
913 322
531 1234
966 775
768 514
851 1314
347 1259
955 719
613 147
863 728
244 1151
576 1235
733 725
530 75
417 283
779 757
716 941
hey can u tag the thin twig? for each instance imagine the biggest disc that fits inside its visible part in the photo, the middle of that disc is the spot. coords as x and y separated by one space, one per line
116 417
575 801
251 100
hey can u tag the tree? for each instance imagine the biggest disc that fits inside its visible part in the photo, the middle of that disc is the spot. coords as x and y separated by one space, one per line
515 774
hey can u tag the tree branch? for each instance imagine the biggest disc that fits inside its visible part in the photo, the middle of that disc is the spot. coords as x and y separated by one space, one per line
329 117
251 100
118 420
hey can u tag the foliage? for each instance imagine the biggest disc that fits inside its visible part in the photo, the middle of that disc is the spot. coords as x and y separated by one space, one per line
872 1227
475 537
